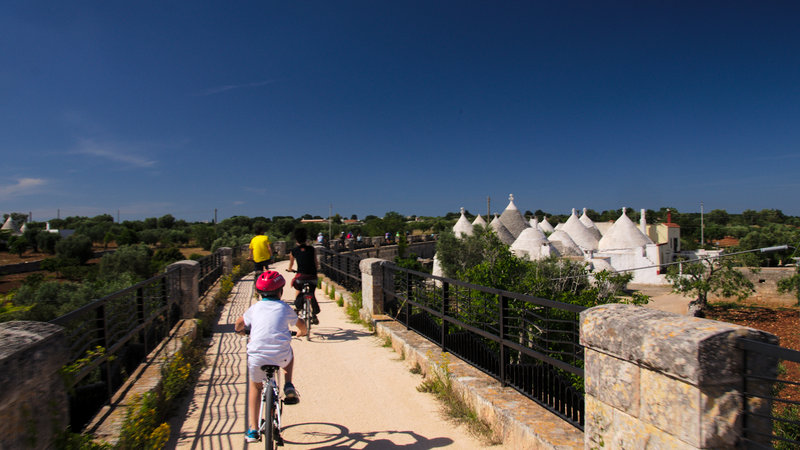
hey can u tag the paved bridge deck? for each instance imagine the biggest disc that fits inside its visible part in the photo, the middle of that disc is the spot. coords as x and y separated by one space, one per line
354 392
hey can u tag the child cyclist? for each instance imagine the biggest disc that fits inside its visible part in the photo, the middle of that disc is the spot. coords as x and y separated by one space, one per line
306 259
270 342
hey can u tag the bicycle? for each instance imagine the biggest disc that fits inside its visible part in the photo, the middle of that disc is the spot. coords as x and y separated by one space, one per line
307 312
269 415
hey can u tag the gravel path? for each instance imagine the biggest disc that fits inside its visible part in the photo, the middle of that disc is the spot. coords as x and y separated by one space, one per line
354 392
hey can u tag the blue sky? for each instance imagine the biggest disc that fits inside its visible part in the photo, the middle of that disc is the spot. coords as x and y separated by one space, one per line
284 108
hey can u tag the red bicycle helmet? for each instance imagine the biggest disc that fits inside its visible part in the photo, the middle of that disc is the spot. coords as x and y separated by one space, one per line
269 281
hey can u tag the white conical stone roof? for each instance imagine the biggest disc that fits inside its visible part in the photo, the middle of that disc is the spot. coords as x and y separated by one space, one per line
558 226
534 222
9 224
502 232
623 234
534 243
479 221
23 228
545 226
564 244
512 218
462 226
590 225
579 233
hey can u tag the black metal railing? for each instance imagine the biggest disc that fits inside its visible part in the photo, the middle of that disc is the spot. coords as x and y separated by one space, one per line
529 343
110 337
772 409
210 271
341 268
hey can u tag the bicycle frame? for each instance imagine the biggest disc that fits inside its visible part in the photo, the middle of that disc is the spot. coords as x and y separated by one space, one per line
269 425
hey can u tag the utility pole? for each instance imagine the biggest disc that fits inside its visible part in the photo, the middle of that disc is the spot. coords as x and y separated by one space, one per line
215 216
58 213
488 207
702 226
330 222
117 215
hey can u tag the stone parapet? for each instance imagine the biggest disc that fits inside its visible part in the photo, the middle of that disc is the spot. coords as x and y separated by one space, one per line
227 259
190 287
372 285
664 380
33 398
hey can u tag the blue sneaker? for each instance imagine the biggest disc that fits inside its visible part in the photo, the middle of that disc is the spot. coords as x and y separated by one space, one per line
291 397
251 436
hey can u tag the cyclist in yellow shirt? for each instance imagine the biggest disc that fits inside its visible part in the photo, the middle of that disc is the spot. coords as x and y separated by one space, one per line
260 251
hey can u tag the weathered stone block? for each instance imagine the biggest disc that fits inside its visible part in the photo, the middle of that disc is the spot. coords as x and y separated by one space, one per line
699 351
33 398
607 427
612 381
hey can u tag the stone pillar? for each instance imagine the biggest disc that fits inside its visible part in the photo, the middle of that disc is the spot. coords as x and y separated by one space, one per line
190 287
661 380
372 285
33 398
280 249
227 259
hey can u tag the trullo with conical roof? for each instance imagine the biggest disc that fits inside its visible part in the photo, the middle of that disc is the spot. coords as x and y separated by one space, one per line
623 234
579 233
462 226
501 231
586 221
533 244
545 226
512 219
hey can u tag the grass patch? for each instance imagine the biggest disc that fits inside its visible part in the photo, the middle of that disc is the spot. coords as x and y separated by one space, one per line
416 369
439 383
387 341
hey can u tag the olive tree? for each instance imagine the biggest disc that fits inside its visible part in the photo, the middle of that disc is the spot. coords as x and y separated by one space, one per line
710 276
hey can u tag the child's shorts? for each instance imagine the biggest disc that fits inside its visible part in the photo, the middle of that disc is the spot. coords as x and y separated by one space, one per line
255 372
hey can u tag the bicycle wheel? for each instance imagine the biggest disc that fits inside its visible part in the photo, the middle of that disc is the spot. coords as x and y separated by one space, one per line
307 308
268 435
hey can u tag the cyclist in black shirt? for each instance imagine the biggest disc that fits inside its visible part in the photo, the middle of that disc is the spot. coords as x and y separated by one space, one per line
306 258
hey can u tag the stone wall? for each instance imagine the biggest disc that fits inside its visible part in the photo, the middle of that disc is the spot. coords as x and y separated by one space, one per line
660 380
765 281
33 399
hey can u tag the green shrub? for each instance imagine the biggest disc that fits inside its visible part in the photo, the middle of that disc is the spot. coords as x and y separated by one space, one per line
77 247
136 259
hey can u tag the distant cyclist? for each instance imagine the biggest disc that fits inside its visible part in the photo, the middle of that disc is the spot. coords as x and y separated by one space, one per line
306 258
270 342
260 251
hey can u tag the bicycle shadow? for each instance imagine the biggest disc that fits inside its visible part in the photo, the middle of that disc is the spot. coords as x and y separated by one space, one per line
333 335
336 436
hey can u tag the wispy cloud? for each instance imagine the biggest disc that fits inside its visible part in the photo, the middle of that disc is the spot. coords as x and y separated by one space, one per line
21 187
229 87
115 151
238 202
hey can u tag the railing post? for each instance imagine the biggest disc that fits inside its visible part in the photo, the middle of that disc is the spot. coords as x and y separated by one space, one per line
140 317
408 299
503 322
445 310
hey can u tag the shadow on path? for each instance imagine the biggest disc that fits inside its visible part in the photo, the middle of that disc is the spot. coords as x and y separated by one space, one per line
321 435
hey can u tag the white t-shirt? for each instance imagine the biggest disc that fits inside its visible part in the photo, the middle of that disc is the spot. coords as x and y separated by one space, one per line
270 338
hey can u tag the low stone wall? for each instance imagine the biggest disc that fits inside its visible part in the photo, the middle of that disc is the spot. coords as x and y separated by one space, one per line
765 281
